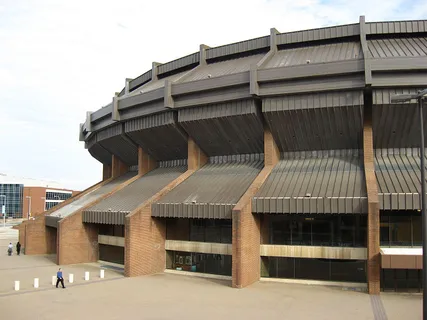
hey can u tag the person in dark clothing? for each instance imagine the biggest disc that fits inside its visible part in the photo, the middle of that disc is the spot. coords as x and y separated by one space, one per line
59 278
18 248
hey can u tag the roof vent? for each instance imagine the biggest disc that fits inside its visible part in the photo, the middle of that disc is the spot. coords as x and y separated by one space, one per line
308 61
308 195
209 76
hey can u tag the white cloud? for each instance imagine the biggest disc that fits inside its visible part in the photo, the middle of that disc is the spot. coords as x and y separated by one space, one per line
59 59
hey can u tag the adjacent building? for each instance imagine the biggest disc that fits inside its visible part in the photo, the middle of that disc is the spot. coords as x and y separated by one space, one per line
26 198
275 157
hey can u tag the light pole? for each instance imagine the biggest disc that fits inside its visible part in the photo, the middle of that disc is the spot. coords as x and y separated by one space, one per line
420 99
29 206
3 211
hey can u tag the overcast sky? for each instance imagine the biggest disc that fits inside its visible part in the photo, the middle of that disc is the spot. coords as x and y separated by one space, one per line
59 59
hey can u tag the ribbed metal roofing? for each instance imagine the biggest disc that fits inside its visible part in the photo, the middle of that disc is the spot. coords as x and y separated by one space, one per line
322 121
316 54
113 209
156 84
398 47
315 182
159 136
223 68
213 190
395 125
399 178
226 128
91 196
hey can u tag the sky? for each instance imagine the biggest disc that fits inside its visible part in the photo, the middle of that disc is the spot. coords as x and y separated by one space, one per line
59 59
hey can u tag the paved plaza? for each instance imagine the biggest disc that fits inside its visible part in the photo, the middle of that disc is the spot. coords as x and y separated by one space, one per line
169 296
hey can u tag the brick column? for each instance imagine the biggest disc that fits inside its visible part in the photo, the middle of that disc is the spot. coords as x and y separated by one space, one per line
106 172
144 235
145 162
42 239
77 242
373 204
196 157
117 167
246 225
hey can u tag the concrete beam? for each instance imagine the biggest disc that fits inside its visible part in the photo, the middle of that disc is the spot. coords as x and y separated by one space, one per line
365 50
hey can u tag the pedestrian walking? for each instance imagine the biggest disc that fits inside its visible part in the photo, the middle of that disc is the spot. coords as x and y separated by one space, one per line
59 278
10 249
18 248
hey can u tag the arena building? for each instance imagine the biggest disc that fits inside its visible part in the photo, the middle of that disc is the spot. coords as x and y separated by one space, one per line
275 157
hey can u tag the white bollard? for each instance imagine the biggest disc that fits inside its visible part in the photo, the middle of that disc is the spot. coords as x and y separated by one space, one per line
71 278
53 280
87 275
16 285
101 274
36 282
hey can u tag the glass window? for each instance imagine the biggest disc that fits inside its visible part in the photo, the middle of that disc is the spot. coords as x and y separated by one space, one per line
203 263
12 197
346 231
417 237
384 230
280 230
322 229
314 269
400 230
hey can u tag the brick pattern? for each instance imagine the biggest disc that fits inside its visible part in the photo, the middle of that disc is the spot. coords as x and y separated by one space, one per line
28 236
373 206
42 238
196 157
247 226
144 235
106 172
37 202
145 162
118 167
78 241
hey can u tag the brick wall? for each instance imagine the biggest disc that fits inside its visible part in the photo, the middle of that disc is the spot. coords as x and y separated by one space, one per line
144 235
247 226
196 157
29 237
145 162
117 167
37 202
106 171
42 239
373 205
77 241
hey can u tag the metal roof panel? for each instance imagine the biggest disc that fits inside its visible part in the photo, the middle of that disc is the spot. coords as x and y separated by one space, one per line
213 190
315 182
316 54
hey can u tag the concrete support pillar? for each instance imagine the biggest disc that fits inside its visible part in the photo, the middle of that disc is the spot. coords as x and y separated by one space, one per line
145 162
247 226
117 167
196 157
373 231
